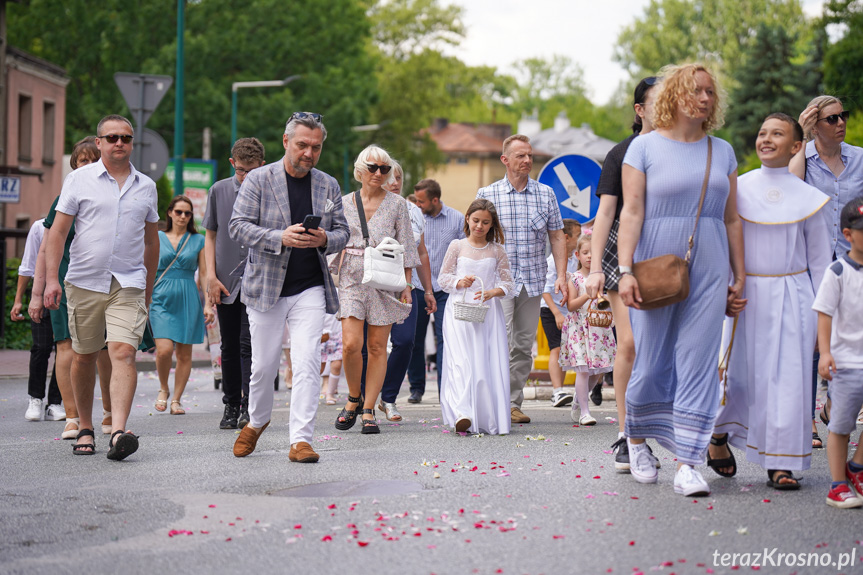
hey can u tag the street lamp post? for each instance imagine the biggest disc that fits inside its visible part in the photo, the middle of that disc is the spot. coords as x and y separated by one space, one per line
260 84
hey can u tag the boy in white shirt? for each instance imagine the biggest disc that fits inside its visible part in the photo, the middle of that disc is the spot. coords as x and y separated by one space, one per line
839 304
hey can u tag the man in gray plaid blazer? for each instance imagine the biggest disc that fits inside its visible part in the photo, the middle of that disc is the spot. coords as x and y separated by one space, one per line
286 276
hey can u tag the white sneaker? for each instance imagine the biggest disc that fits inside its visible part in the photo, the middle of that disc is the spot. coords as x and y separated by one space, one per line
690 483
586 420
653 457
641 466
35 411
55 413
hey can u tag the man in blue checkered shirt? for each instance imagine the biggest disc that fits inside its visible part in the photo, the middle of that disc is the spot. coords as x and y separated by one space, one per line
529 214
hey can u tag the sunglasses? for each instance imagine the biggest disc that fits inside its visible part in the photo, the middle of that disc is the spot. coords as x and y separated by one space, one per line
181 213
833 119
303 115
385 169
112 138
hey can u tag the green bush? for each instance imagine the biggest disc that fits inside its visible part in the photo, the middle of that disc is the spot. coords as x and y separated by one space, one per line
16 334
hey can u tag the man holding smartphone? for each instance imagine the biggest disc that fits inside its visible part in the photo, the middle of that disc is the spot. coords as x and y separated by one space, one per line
286 276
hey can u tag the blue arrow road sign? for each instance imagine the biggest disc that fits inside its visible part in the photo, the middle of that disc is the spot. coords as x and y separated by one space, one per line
574 180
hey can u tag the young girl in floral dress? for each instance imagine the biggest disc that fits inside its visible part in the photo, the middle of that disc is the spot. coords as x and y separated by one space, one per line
585 349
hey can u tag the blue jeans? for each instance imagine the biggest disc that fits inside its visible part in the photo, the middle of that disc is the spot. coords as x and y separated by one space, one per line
417 367
402 338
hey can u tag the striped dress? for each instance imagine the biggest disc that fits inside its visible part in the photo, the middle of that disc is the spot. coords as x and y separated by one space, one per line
673 395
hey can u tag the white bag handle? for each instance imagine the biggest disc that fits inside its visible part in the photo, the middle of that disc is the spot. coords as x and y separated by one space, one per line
390 245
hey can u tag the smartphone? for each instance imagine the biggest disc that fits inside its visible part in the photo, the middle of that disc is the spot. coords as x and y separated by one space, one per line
311 222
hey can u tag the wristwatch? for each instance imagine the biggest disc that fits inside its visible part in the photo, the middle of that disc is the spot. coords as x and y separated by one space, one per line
624 270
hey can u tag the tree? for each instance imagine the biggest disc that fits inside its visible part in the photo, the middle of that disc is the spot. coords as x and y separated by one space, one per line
326 42
767 81
843 60
675 31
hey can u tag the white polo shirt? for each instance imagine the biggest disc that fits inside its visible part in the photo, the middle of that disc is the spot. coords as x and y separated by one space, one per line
841 297
109 227
31 249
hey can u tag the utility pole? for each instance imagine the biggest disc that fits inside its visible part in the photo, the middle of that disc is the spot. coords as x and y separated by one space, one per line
178 104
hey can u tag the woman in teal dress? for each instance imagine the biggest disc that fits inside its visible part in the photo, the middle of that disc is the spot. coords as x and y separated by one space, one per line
176 315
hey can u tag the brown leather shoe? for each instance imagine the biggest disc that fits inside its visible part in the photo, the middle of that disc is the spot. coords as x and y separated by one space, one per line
517 416
247 440
303 453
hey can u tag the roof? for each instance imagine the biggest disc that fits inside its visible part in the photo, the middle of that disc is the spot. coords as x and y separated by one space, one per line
38 63
571 140
473 138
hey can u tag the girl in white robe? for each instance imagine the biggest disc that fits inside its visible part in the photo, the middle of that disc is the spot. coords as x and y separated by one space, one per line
766 401
474 392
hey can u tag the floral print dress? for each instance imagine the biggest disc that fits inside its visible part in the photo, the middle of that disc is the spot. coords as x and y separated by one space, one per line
584 348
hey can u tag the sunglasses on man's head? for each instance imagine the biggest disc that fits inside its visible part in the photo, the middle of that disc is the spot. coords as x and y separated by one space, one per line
181 213
833 119
303 115
385 169
112 138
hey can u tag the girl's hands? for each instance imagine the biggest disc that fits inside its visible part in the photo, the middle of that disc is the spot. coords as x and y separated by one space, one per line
595 284
465 282
488 294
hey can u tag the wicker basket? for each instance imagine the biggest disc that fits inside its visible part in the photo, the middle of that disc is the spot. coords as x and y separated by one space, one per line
472 312
599 317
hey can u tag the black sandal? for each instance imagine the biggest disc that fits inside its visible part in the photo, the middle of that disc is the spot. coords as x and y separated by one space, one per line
123 446
775 475
816 441
347 417
370 425
717 464
85 448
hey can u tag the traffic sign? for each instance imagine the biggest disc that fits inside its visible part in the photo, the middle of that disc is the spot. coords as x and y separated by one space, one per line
198 177
154 154
574 179
142 93
10 190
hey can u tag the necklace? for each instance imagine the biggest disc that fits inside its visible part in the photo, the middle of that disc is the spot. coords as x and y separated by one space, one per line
482 248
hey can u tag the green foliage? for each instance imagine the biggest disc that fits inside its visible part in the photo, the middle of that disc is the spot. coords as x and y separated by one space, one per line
165 193
17 333
843 60
326 42
748 163
854 130
767 81
717 31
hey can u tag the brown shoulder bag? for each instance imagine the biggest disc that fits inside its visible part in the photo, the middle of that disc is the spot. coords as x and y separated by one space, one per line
664 280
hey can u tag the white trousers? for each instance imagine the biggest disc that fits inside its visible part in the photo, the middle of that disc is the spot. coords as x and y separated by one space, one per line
304 314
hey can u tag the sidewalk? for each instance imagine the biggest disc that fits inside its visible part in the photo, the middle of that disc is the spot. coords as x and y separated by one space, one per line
15 363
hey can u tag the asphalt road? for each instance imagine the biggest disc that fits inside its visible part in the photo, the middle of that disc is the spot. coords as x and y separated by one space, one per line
545 499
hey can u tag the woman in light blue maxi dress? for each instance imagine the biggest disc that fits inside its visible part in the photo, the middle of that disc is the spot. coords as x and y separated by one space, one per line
673 395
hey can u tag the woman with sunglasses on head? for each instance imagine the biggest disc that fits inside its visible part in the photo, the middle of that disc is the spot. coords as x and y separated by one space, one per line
836 168
175 312
362 306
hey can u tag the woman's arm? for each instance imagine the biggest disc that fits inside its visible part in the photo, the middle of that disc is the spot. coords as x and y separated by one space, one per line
631 221
734 229
601 227
424 273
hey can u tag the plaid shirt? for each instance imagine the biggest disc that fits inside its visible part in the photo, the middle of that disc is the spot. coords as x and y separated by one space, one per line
440 230
526 217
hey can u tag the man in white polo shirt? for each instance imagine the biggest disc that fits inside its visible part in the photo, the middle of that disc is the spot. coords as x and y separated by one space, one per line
112 267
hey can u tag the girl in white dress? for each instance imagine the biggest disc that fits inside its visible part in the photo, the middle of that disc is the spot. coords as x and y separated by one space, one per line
475 371
585 349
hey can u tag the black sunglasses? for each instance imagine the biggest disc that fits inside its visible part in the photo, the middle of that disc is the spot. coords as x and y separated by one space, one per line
180 213
303 115
112 138
833 119
385 169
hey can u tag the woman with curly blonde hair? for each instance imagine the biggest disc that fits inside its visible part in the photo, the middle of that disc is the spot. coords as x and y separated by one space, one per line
672 394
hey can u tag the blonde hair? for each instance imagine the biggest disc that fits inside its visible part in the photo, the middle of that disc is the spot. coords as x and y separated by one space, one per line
821 102
677 88
514 138
582 239
372 152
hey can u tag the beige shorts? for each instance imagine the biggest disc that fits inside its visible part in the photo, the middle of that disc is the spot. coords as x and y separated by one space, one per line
96 318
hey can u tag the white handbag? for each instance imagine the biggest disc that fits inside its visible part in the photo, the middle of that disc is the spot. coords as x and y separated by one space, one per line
383 265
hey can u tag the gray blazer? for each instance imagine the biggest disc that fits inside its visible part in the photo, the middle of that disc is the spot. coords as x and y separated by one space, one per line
262 212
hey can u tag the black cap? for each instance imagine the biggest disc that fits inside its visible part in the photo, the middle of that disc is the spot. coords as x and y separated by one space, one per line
852 215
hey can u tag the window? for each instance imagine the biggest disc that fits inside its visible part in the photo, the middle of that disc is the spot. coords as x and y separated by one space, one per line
48 133
25 128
